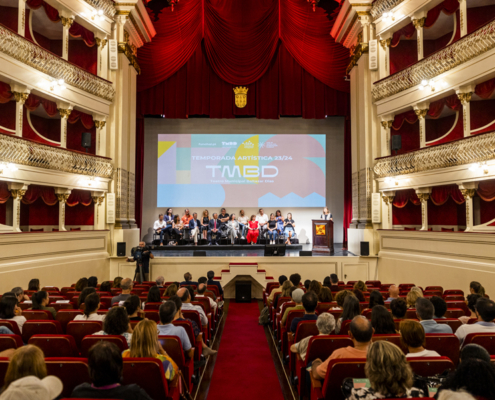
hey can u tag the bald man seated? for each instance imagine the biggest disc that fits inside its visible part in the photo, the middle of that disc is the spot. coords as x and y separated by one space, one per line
201 292
393 293
126 286
185 297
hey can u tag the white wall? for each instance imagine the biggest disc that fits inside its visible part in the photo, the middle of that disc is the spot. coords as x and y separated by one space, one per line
333 127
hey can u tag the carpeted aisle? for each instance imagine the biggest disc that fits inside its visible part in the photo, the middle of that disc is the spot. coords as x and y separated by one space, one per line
244 368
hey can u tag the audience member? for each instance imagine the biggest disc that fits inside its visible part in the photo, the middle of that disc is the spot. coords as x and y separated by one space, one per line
325 295
393 293
9 310
160 281
327 282
351 310
360 285
281 280
398 308
341 296
295 279
93 282
204 280
414 294
185 297
309 301
212 282
389 373
376 298
117 323
477 288
167 314
34 284
145 343
382 321
471 303
285 289
82 296
188 280
485 312
19 293
475 377
412 336
31 387
106 287
440 307
40 302
307 282
81 284
171 290
315 286
297 296
91 307
335 282
201 292
154 296
116 282
359 295
451 395
360 332
133 307
126 286
474 351
105 371
424 311
325 324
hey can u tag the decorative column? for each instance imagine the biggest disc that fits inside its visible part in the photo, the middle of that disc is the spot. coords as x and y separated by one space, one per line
100 135
419 22
62 196
17 191
463 16
384 57
21 18
64 110
464 95
101 43
387 121
67 21
21 93
424 195
421 113
98 198
388 199
468 191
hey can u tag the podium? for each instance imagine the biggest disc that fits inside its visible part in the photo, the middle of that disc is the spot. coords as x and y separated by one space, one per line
323 236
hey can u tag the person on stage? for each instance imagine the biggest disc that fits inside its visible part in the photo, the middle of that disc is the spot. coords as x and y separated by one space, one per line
280 222
232 228
141 255
177 226
159 227
194 226
204 224
272 229
186 217
224 218
243 222
262 219
169 219
214 228
253 231
289 226
326 214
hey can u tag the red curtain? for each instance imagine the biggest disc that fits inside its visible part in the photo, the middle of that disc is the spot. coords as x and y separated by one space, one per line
347 179
79 215
5 93
408 31
409 214
51 12
33 102
402 197
34 192
7 117
409 116
486 190
79 197
87 36
485 89
4 192
440 194
86 119
448 7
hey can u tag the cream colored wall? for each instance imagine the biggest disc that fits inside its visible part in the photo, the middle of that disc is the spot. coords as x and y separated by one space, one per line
56 259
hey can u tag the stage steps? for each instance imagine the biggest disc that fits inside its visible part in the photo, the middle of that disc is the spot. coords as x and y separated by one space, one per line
244 268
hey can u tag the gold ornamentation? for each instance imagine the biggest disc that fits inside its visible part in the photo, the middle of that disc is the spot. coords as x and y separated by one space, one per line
20 97
240 96
388 199
67 22
64 112
386 43
99 124
100 42
107 6
123 12
468 193
465 97
419 23
23 19
356 54
18 194
421 113
130 52
387 124
62 197
381 6
423 197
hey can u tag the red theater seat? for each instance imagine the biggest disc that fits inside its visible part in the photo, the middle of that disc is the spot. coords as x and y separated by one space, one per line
454 323
173 346
152 306
450 292
444 344
10 342
304 329
89 341
190 333
79 329
66 316
153 315
12 325
37 315
458 304
55 345
430 366
71 371
392 338
40 327
344 329
455 313
486 340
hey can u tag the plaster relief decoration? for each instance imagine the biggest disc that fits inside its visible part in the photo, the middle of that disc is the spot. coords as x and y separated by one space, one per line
121 182
131 191
355 196
365 176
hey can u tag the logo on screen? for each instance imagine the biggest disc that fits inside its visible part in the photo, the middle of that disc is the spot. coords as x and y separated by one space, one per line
229 143
248 145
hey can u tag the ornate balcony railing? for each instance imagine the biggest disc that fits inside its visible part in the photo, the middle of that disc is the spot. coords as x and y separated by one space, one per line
469 150
381 6
465 49
35 56
26 152
106 5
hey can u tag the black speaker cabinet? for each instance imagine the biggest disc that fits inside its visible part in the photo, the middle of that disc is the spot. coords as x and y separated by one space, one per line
365 248
396 142
199 253
121 249
305 253
243 291
275 250
86 140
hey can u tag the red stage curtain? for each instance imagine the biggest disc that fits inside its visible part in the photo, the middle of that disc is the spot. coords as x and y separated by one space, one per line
4 192
87 36
451 102
409 214
440 194
486 190
347 178
448 213
39 213
403 196
79 197
485 89
5 93
34 192
79 215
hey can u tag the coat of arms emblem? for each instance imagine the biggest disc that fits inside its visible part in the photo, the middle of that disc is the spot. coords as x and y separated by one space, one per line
240 96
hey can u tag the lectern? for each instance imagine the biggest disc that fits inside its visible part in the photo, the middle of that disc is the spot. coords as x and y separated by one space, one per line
323 236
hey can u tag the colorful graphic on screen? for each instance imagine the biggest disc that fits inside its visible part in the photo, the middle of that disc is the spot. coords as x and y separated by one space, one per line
241 170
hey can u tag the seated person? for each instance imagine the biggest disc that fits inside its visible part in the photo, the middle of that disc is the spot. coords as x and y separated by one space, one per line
188 280
19 293
194 228
350 310
382 321
154 296
393 293
133 307
412 336
281 280
309 301
201 293
117 323
424 311
398 308
325 324
10 311
159 227
214 233
272 229
91 307
204 280
223 218
167 313
186 218
334 279
376 299
262 220
471 303
126 286
474 351
82 297
485 311
105 371
212 282
185 297
360 332
440 307
31 387
40 302
297 295
34 284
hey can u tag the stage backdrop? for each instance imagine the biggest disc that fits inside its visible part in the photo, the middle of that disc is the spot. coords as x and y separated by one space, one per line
308 175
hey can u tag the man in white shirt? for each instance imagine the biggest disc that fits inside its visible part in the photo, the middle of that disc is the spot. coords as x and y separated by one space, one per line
159 227
201 293
185 297
262 219
485 311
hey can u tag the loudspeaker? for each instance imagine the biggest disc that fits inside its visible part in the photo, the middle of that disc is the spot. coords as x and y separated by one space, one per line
396 142
365 248
243 291
274 250
199 253
305 253
86 140
121 249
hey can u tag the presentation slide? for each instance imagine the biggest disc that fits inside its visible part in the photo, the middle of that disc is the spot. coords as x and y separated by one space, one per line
241 170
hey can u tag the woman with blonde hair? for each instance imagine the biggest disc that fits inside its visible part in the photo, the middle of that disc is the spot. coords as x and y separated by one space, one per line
360 285
145 344
389 373
116 282
26 361
286 292
204 224
171 290
414 294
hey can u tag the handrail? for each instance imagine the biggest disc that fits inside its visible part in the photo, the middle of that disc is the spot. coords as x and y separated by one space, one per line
106 6
381 6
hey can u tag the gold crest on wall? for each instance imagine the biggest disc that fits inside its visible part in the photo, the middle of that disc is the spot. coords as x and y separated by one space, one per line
320 230
240 96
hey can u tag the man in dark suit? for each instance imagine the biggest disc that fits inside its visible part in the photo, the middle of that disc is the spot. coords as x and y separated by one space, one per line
194 226
214 227
210 276
188 280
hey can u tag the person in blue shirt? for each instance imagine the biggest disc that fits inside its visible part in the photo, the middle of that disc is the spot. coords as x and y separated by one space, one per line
167 313
309 301
194 228
210 276
425 311
188 280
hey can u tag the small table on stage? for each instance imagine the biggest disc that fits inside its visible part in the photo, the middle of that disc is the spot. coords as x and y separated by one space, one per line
323 236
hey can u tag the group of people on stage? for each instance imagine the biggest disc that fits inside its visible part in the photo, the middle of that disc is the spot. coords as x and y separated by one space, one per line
229 226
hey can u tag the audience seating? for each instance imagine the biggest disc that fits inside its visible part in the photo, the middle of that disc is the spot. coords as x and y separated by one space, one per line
153 315
12 325
458 304
430 366
452 292
173 346
392 338
71 371
455 313
61 306
197 342
90 340
444 344
454 323
40 327
37 315
152 306
454 297
10 342
55 345
79 329
284 329
193 315
66 316
486 340
304 329
344 328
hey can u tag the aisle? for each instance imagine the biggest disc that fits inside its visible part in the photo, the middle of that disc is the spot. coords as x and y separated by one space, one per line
244 368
